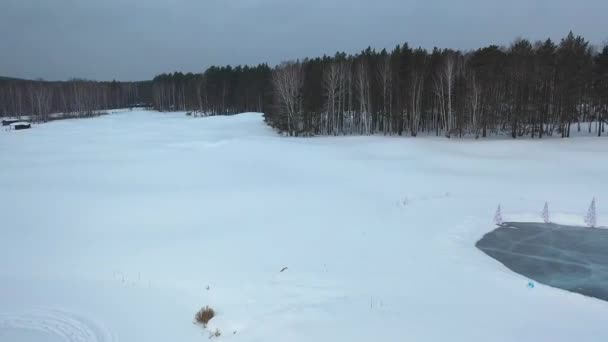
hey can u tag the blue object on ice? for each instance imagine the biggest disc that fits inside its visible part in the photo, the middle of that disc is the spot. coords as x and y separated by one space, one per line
530 284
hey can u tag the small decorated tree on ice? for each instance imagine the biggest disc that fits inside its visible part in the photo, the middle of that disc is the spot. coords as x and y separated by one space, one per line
498 216
591 219
545 213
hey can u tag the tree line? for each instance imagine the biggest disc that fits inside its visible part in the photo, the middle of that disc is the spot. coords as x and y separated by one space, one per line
75 98
527 89
217 91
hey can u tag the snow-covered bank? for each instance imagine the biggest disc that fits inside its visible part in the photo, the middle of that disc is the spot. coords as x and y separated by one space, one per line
66 116
119 225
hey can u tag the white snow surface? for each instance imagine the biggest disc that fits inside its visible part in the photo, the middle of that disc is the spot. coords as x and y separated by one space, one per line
119 228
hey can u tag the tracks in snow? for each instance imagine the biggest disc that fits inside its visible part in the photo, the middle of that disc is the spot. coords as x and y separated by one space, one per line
68 326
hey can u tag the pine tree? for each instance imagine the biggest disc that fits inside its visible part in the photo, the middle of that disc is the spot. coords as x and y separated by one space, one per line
498 216
545 213
590 219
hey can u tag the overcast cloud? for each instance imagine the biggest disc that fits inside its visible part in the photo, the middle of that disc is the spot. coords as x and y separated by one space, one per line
137 39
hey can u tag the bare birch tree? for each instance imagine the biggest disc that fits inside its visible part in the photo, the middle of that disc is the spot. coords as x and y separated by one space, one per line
287 79
385 80
363 124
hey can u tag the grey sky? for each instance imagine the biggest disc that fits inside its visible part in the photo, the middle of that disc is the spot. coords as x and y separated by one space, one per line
136 39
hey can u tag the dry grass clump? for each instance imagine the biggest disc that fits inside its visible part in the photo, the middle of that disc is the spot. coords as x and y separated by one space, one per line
204 315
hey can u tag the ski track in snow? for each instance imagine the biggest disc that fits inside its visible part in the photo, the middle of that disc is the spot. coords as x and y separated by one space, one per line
68 326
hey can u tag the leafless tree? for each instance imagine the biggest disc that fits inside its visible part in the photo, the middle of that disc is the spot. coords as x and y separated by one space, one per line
363 124
287 79
474 101
416 86
385 79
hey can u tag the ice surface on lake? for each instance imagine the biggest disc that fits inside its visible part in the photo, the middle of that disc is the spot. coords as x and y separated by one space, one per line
568 257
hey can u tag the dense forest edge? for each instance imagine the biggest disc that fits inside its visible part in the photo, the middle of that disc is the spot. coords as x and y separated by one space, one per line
527 89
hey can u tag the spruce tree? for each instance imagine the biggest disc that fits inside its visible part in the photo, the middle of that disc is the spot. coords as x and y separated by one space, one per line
545 213
591 219
498 216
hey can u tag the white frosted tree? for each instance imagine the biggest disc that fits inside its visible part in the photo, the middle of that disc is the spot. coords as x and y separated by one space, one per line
591 219
498 216
545 213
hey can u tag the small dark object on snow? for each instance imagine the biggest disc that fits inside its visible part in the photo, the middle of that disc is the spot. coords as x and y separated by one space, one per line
215 334
20 125
284 268
189 114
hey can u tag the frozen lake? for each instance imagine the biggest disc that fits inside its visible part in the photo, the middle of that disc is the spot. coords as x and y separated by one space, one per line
119 228
568 257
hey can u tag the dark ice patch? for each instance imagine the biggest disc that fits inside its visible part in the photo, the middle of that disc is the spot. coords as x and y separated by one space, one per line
567 257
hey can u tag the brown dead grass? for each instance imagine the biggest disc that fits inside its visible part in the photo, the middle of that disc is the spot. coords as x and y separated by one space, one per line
204 315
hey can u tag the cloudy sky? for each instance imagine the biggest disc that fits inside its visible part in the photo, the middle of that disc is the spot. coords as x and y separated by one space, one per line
136 39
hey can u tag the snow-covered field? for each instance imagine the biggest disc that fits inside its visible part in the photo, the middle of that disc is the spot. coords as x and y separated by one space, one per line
120 228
